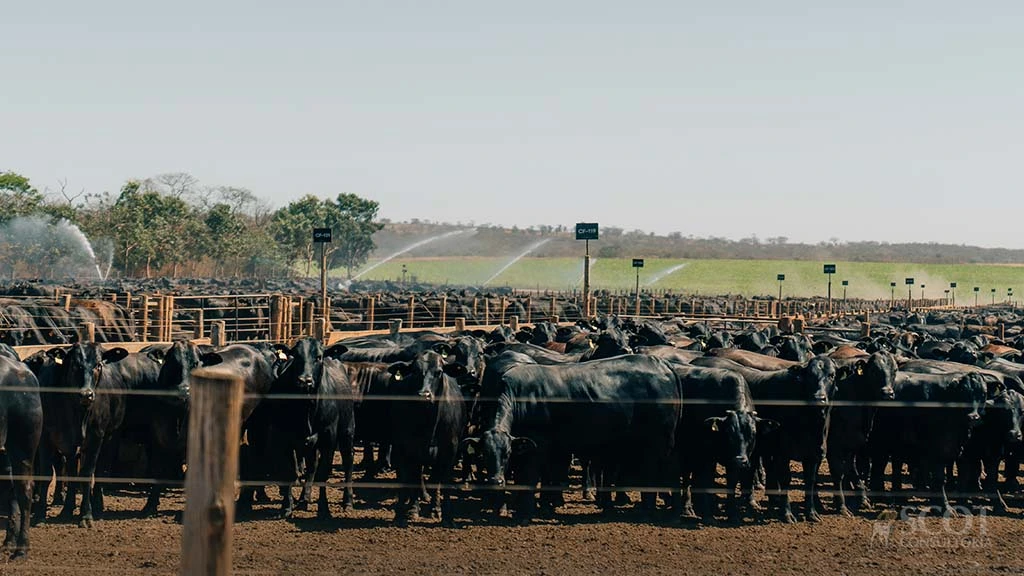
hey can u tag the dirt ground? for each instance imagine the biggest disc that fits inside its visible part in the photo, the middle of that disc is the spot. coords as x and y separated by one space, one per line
580 540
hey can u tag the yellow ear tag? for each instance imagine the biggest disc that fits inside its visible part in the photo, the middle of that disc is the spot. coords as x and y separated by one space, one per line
591 342
470 450
281 355
58 361
398 375
444 354
860 370
714 426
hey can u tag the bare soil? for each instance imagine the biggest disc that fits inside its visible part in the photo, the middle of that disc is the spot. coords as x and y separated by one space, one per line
580 540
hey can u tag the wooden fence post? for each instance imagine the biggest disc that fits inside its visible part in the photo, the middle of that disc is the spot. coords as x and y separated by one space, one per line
213 440
528 312
460 325
370 313
200 329
487 311
67 302
396 327
218 333
88 332
307 318
145 318
412 311
444 311
504 303
513 323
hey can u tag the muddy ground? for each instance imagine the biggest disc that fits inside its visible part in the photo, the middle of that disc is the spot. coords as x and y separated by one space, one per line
580 540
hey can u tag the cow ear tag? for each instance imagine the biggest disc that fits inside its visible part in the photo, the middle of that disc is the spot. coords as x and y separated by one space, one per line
470 450
58 361
398 375
281 355
444 354
860 370
714 426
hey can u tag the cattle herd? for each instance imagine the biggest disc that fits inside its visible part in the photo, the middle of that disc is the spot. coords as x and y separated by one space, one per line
689 416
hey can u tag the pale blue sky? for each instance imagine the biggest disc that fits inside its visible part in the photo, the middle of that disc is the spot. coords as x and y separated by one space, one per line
867 120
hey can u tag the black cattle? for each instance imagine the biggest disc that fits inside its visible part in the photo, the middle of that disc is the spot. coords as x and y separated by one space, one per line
370 381
105 381
428 412
991 441
862 383
403 352
159 419
599 411
59 441
311 402
21 426
257 373
718 425
797 398
927 428
610 343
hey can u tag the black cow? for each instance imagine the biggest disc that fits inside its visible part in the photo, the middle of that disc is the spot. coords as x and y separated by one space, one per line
797 398
992 440
428 412
370 381
862 384
312 420
257 373
21 426
104 380
599 411
927 428
719 425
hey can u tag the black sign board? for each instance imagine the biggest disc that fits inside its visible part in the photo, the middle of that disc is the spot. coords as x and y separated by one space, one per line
846 282
322 235
909 281
830 268
638 262
976 289
780 277
586 231
893 284
993 290
952 284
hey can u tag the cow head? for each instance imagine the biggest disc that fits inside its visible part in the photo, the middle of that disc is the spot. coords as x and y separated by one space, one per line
494 449
424 376
84 364
469 353
177 364
736 434
301 366
971 391
816 379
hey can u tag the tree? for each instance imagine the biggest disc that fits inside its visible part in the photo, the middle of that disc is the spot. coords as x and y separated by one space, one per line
17 197
354 224
292 228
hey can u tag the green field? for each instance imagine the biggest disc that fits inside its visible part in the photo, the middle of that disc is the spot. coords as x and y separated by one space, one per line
747 277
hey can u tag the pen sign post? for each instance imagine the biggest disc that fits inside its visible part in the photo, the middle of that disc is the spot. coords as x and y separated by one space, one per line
638 263
322 236
830 269
586 231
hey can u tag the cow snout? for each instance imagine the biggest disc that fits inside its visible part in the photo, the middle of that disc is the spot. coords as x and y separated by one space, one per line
820 399
974 418
496 481
742 461
1016 437
87 396
306 382
425 394
888 394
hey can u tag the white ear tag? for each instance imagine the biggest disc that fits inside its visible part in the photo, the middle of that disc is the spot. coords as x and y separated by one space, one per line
398 375
281 355
58 360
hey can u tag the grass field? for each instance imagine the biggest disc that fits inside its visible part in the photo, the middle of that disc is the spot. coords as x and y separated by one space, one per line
747 277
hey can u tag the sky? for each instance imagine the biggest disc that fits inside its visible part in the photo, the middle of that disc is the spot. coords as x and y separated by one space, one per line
882 120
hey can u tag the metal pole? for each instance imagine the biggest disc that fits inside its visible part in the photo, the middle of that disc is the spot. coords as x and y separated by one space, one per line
637 291
829 293
586 281
323 281
780 290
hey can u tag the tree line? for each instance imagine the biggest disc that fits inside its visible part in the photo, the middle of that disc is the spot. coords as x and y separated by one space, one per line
172 225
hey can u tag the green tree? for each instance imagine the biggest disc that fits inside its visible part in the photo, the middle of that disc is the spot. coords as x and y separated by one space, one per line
354 222
292 228
18 197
